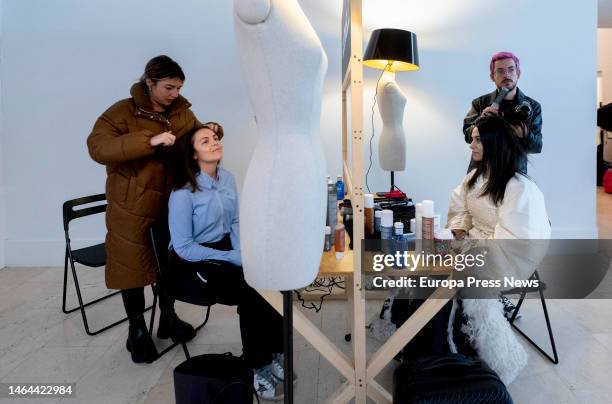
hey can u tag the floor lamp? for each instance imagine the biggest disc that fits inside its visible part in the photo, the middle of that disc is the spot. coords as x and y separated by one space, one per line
391 50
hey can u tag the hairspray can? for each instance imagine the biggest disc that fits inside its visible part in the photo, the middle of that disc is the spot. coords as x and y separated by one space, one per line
418 215
386 225
428 219
327 244
332 206
377 217
339 244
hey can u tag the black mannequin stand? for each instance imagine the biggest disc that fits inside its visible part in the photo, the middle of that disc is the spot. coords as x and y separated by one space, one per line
394 192
288 344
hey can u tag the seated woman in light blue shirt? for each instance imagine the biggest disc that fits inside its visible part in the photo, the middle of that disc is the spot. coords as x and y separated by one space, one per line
214 208
205 251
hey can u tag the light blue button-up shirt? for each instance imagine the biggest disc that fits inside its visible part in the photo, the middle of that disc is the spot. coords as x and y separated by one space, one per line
205 216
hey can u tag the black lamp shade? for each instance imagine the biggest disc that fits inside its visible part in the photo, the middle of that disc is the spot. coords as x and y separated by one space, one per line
396 46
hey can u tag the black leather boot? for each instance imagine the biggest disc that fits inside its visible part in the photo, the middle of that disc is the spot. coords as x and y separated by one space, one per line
170 326
139 343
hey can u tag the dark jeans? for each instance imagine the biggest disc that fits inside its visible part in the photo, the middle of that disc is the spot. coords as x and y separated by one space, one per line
261 327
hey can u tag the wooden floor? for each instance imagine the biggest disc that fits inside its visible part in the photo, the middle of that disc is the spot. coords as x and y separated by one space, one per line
38 343
604 213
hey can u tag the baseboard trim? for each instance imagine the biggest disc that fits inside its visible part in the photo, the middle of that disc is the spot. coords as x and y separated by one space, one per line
45 253
40 253
590 232
2 252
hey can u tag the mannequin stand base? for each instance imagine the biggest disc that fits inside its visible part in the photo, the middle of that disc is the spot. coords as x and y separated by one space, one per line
288 344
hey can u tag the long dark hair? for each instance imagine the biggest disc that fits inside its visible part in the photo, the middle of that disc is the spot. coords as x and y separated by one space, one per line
161 67
501 152
185 166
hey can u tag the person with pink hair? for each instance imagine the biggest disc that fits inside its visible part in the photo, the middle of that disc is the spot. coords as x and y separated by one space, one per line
523 113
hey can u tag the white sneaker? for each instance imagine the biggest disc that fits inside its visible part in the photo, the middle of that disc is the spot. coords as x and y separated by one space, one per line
268 387
278 367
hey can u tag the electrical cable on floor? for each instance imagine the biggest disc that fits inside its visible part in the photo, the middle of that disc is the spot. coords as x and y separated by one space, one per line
325 285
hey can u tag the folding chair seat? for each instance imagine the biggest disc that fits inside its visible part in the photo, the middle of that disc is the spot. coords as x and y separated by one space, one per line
92 256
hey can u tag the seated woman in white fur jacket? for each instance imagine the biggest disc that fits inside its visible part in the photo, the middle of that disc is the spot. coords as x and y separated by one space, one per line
496 201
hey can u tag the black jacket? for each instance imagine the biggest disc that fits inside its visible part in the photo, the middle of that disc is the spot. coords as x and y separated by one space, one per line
532 141
604 117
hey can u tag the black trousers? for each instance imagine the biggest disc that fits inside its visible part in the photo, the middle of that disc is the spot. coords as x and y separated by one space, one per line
134 301
261 327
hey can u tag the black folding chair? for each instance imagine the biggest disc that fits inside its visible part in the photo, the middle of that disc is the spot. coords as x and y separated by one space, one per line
160 240
93 256
523 292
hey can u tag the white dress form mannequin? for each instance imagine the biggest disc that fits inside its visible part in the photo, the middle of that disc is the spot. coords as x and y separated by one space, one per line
392 143
282 217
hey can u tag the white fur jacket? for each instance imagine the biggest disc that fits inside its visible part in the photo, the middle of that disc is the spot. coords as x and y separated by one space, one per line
517 222
522 218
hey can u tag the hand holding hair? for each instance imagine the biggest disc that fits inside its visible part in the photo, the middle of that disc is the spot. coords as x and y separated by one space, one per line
163 139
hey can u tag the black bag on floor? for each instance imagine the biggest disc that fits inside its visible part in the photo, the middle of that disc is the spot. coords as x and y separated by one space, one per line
448 379
432 339
213 379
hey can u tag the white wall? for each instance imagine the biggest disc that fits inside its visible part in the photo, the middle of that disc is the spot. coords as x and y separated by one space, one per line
63 64
2 157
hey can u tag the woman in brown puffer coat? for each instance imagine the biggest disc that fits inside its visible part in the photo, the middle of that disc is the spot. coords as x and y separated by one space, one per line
134 139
